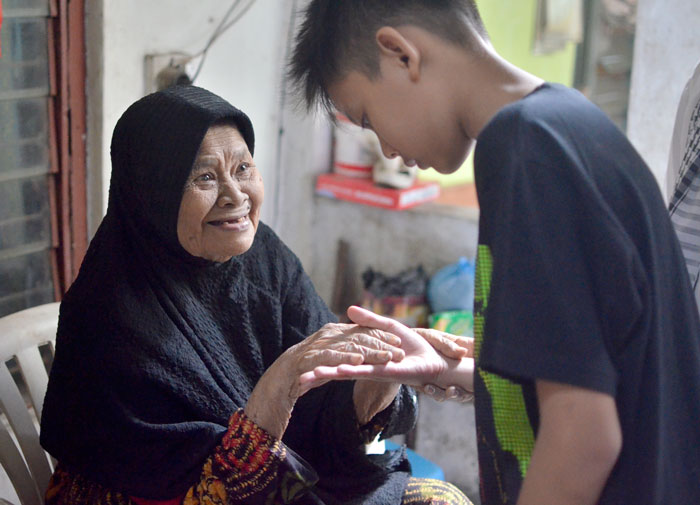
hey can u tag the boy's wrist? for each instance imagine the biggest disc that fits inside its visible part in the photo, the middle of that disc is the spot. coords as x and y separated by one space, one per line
459 373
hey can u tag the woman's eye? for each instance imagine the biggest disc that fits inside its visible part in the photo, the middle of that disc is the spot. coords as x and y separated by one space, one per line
244 168
205 178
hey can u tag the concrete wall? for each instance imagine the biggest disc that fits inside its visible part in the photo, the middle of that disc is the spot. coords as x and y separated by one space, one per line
387 241
667 48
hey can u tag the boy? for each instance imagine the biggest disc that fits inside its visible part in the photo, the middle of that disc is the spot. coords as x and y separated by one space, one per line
587 337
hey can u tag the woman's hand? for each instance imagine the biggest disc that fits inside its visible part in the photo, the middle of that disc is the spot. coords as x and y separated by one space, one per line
422 365
455 393
272 400
452 346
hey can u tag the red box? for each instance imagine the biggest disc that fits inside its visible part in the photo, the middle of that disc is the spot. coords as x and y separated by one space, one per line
365 191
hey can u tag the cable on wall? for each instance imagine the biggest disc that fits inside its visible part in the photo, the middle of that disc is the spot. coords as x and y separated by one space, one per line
223 26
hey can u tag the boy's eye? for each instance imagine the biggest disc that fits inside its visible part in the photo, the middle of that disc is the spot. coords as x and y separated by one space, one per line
365 122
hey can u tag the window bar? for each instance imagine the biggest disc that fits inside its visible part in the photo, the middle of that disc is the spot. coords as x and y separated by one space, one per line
54 168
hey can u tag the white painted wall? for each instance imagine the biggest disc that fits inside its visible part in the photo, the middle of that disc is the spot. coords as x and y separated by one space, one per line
244 66
667 48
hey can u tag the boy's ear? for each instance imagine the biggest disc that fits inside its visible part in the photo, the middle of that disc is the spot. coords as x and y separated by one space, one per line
394 45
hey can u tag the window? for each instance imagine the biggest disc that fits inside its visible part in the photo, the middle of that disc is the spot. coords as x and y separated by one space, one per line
604 60
42 181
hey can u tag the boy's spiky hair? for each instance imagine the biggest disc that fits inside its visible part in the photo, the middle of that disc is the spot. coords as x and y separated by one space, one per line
338 36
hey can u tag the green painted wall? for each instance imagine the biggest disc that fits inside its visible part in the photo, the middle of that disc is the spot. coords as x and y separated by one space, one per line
511 26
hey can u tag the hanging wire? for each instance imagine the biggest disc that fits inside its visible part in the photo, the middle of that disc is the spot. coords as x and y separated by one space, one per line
239 16
223 26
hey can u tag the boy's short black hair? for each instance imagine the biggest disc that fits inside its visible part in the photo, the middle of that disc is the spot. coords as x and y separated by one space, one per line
337 36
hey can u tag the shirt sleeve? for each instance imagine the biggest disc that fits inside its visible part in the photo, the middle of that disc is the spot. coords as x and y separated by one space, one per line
566 278
250 466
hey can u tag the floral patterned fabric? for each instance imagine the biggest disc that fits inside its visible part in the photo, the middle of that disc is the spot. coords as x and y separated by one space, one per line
249 466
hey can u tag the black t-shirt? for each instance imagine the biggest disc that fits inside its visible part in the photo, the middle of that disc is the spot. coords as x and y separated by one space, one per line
580 280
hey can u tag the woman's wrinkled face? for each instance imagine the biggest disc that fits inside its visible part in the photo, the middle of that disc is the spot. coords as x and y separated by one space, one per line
220 206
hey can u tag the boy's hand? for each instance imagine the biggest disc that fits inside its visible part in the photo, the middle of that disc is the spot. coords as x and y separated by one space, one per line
452 346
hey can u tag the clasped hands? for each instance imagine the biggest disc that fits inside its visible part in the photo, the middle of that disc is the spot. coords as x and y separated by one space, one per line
439 364
373 351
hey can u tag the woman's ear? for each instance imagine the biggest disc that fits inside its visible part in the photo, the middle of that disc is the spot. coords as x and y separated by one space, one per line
393 45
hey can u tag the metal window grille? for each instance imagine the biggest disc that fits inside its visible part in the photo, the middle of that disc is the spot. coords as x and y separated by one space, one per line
42 155
25 213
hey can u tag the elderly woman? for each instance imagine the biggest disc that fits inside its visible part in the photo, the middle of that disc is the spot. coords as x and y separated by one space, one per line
182 342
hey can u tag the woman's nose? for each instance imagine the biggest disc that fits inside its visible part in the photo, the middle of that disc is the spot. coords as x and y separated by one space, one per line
230 193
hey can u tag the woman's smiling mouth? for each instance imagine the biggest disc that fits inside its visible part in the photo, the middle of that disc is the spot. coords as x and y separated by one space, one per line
233 224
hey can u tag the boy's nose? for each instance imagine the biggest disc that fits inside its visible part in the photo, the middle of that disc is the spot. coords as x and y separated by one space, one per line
388 151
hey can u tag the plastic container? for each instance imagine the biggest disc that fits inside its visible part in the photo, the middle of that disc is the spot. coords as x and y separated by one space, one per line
354 154
411 310
452 287
400 296
457 322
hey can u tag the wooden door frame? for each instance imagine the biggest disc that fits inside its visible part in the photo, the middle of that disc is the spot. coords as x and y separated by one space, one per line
67 181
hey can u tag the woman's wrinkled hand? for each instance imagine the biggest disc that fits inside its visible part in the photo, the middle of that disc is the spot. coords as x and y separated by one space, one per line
272 400
455 393
336 344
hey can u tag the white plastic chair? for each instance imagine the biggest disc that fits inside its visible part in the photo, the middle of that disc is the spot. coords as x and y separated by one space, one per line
22 334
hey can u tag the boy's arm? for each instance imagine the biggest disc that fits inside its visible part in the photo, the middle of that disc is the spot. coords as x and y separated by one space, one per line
578 442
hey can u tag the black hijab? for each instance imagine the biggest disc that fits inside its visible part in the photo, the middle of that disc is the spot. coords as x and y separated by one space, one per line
144 379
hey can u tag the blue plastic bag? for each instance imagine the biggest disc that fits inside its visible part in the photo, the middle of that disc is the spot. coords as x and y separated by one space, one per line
452 287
